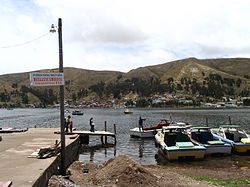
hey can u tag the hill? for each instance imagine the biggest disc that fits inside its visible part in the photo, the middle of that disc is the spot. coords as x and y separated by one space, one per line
193 68
190 76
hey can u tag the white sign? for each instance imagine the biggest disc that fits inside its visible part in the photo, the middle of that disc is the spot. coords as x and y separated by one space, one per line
46 79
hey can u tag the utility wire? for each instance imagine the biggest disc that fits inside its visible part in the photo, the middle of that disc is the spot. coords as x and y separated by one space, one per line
24 43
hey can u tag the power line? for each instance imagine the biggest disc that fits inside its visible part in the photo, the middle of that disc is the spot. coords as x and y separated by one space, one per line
24 43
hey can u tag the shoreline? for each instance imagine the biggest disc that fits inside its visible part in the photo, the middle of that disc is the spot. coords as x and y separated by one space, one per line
124 171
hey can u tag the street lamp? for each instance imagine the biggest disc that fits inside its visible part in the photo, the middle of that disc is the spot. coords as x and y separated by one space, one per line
61 94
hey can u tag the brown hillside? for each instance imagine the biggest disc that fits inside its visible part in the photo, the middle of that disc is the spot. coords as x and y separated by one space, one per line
86 78
142 72
78 77
233 66
191 68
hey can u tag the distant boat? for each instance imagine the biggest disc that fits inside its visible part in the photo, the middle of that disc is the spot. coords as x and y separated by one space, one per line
77 112
12 129
127 111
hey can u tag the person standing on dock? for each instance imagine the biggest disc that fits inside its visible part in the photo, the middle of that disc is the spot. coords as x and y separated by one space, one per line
66 125
69 124
91 123
141 124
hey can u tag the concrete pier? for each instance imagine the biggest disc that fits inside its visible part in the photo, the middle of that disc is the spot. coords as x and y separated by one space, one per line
15 148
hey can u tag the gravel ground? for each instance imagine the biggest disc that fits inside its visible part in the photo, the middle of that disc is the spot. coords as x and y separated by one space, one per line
122 171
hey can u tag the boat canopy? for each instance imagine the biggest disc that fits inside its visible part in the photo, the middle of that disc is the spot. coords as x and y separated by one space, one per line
230 126
200 129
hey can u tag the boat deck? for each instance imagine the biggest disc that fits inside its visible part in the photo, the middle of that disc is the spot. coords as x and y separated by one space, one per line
15 148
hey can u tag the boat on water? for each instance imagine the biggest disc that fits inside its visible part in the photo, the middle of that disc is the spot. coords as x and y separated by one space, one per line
148 132
174 143
12 129
213 145
235 136
180 124
77 112
127 111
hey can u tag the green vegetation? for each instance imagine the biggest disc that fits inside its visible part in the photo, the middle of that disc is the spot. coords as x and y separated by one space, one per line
214 86
240 182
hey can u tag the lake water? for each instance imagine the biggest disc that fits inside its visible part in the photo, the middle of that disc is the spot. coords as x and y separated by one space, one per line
143 151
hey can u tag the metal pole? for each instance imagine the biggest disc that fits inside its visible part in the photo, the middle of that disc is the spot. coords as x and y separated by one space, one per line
61 93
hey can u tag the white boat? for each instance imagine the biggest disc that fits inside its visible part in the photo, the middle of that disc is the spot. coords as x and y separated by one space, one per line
148 132
180 124
12 129
213 145
127 111
77 112
136 133
175 144
235 136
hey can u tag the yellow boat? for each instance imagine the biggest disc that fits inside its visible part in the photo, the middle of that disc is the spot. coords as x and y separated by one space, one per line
236 136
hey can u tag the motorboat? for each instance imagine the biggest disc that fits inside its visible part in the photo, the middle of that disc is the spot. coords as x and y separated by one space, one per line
213 145
174 143
148 132
127 111
180 124
12 129
234 135
77 112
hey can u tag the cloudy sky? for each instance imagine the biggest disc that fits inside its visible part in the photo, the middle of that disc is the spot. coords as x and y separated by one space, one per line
120 34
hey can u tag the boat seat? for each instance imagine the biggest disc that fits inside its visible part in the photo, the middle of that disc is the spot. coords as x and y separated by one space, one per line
170 139
182 138
229 136
206 136
197 136
237 137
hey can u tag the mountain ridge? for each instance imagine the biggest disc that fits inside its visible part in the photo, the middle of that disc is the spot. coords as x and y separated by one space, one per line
232 69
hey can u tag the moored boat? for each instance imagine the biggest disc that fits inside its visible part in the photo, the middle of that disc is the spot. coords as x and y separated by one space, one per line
148 132
235 136
127 111
213 145
175 144
77 112
12 129
180 124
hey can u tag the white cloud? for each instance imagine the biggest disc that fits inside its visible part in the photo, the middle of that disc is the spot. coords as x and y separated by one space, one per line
121 35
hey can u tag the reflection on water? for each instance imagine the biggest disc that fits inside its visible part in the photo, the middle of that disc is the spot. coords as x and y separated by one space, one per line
96 151
142 151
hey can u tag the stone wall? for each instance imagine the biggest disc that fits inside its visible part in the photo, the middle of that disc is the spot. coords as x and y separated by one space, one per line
71 154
